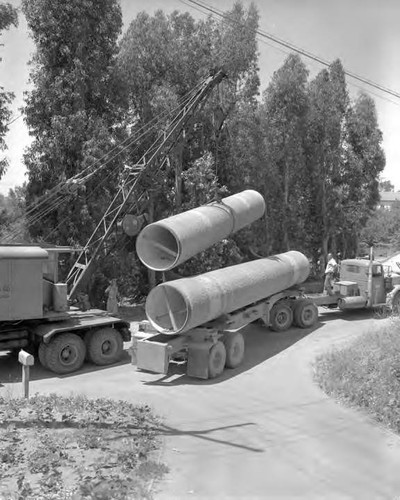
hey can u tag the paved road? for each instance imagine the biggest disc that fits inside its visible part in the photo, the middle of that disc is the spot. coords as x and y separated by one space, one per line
263 430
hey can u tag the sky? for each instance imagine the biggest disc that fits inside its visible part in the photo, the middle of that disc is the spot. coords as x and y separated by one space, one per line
363 34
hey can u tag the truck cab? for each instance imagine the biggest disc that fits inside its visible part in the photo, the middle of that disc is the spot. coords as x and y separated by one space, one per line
355 274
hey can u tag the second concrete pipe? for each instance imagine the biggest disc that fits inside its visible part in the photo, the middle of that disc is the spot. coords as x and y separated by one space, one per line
167 243
177 306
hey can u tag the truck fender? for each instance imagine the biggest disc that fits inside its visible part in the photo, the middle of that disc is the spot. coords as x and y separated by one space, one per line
46 331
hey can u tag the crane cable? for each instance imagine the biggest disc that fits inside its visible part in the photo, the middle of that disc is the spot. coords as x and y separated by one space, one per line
57 197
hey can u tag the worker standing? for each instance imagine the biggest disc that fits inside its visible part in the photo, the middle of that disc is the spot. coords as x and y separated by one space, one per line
330 270
112 299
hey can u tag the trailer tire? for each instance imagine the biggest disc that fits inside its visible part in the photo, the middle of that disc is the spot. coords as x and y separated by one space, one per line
42 354
105 346
396 304
305 313
216 360
65 353
234 347
281 317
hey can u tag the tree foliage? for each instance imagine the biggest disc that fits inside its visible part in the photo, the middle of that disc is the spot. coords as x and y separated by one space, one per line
72 107
385 185
314 154
284 109
8 18
383 228
12 214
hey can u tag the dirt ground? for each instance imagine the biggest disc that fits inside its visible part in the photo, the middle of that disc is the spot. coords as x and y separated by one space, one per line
262 430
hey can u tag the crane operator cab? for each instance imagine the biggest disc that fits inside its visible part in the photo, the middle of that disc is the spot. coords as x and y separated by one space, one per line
29 287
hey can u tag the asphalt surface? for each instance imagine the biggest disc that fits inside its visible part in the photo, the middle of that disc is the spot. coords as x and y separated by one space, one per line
263 430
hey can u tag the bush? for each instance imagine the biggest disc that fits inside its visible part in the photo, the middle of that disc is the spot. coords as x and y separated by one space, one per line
366 374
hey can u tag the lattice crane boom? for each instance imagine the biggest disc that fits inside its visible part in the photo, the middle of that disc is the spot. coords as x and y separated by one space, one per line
132 189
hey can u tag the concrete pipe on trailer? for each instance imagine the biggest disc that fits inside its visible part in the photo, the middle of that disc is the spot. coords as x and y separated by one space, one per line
178 306
167 243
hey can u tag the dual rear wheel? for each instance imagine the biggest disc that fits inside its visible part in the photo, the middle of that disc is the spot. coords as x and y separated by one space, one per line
304 314
227 352
66 352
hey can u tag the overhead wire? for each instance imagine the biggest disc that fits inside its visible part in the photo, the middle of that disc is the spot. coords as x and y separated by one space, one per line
13 120
291 46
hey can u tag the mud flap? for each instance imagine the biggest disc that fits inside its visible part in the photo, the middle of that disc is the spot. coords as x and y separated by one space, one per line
198 357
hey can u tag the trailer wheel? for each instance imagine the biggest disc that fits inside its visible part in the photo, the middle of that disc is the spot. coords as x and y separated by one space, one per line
42 354
216 360
234 346
65 353
396 304
305 314
281 317
105 346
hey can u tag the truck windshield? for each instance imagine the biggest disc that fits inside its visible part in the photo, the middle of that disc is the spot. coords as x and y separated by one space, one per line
377 271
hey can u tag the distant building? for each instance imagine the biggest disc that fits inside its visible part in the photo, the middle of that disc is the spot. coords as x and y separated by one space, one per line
388 199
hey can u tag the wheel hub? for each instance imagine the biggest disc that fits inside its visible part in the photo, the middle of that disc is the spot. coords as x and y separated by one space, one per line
68 355
106 347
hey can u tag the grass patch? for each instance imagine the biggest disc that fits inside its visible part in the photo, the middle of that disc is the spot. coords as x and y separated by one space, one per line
76 448
366 373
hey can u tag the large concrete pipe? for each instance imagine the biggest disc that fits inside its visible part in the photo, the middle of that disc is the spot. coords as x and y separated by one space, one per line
177 306
169 242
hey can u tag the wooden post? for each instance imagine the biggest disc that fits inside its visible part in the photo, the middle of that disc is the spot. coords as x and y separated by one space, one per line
26 360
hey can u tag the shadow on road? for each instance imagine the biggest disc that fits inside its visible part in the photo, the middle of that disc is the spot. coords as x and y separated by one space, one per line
260 345
204 434
325 314
11 372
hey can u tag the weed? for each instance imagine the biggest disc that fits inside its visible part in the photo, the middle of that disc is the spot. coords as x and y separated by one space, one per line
55 448
366 373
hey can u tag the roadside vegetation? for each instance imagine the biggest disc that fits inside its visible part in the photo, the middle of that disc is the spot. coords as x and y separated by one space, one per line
366 374
55 447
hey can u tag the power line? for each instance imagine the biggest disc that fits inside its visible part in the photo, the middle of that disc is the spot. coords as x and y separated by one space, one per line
14 120
295 48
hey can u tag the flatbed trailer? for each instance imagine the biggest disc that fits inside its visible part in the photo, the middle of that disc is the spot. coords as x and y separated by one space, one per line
211 347
219 344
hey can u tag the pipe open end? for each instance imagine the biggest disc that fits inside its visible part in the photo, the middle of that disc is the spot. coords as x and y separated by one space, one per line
167 309
157 247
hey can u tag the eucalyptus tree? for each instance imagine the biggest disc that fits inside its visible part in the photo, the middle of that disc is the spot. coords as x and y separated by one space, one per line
285 107
326 133
163 58
8 18
71 109
363 165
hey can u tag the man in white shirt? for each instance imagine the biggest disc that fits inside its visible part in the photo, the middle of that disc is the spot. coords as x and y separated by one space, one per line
330 269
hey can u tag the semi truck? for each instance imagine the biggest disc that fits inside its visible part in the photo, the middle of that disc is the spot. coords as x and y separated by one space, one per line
211 347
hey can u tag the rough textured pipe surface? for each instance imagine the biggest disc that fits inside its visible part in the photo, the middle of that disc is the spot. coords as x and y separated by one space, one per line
177 306
169 242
